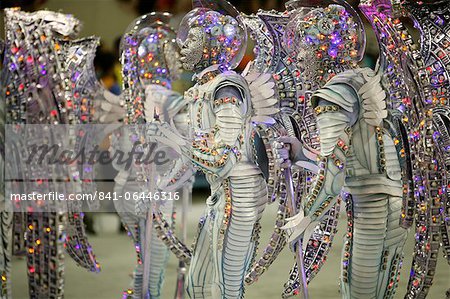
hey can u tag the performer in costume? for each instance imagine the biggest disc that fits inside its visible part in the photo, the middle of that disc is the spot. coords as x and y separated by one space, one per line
150 64
212 43
417 81
38 87
212 40
296 119
357 157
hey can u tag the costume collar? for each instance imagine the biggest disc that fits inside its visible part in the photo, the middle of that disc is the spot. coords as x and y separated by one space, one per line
209 73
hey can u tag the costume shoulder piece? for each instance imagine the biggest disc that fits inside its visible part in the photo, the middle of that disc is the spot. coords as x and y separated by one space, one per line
340 90
349 88
233 78
209 84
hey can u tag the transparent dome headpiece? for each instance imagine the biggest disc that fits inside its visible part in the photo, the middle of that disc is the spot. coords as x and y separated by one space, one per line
147 24
332 28
224 27
149 46
221 6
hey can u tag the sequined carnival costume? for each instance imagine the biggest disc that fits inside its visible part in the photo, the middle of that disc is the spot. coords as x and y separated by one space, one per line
296 119
39 86
150 64
221 145
417 81
357 157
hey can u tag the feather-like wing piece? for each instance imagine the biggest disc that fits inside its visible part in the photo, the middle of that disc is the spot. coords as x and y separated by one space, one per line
373 100
109 108
262 90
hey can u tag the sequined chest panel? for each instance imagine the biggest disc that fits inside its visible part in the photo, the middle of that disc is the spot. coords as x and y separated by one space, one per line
201 117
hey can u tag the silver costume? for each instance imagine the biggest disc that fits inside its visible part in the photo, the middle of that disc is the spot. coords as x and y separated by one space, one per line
357 157
47 79
221 145
149 65
417 81
296 119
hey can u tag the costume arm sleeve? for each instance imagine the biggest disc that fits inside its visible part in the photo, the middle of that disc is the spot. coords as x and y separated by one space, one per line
333 123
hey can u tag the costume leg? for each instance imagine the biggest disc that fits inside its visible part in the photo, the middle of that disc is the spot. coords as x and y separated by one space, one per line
393 252
135 227
373 250
45 279
200 274
367 233
233 240
159 254
5 253
139 270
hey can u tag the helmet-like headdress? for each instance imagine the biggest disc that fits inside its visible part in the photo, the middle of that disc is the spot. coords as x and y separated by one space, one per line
149 50
322 37
212 33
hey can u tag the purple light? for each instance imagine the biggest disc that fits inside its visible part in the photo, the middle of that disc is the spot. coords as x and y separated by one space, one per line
439 21
332 52
309 40
335 39
76 76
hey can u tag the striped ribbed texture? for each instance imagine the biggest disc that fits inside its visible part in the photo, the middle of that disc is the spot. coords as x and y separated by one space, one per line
199 278
5 253
218 268
377 243
249 195
159 253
